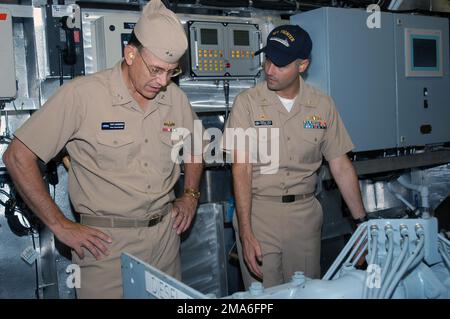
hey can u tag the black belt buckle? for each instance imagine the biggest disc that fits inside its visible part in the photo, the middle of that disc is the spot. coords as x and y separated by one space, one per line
154 220
288 198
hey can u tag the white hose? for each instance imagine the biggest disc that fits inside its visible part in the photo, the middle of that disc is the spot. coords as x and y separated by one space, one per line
373 254
385 284
405 266
390 255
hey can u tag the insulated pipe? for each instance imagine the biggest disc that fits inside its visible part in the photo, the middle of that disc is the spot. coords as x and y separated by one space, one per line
423 190
400 197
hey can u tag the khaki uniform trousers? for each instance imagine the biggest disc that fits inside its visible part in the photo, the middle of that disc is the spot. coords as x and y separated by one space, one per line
289 235
158 245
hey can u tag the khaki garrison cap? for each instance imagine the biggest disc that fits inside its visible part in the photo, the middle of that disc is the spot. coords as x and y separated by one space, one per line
160 31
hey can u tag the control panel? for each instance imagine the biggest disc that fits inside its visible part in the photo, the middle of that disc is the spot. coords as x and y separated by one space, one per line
224 50
423 53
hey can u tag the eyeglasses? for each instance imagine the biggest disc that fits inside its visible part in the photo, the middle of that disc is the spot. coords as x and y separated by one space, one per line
156 70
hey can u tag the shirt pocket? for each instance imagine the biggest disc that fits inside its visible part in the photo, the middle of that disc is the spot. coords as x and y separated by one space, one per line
310 150
168 153
114 149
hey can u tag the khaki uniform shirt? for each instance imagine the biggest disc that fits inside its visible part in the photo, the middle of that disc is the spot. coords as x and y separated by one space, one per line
312 129
120 155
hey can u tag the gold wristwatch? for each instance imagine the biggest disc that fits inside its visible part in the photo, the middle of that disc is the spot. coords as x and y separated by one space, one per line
192 192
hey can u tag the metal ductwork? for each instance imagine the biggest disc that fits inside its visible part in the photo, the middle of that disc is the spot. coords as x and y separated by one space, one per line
428 5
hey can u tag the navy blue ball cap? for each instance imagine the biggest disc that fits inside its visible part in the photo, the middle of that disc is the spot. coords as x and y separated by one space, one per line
286 44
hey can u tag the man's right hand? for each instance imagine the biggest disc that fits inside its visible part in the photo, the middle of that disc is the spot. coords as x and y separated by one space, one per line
78 236
251 250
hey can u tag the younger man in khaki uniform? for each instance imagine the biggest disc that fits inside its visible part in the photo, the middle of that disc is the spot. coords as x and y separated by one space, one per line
279 219
116 126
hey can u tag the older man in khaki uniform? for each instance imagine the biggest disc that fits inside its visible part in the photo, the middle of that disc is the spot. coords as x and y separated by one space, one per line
117 127
278 226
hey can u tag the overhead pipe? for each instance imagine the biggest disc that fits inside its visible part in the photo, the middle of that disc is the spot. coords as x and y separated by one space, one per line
424 194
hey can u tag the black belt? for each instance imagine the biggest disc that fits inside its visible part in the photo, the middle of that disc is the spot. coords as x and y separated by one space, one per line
120 222
284 199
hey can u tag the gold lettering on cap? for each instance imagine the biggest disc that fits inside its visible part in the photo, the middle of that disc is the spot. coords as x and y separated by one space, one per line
288 34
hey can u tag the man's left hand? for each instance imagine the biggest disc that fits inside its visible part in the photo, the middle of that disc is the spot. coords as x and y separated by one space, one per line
183 212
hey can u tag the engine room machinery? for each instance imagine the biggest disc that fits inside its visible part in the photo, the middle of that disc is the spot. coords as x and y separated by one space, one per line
407 259
403 258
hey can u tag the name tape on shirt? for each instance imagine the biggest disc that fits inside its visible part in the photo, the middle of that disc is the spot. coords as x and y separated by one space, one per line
113 125
260 122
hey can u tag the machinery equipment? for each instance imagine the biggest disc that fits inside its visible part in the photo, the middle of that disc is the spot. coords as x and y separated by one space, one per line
223 49
405 259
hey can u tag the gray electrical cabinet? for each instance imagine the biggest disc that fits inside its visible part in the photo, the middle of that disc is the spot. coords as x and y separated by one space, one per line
423 82
383 103
8 74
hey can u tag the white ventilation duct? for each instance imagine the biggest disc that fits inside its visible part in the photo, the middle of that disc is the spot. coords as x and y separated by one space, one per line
429 5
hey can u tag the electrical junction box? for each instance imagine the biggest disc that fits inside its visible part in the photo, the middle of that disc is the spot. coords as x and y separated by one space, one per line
112 33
